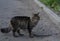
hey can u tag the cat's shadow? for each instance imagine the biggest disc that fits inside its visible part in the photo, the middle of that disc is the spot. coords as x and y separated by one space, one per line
42 36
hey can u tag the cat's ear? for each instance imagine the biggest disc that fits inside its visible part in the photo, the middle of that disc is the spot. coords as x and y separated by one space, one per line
38 13
33 14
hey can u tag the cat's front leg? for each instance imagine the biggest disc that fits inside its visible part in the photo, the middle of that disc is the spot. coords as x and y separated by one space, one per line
30 33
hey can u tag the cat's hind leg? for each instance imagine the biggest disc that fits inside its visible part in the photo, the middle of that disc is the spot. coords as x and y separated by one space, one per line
14 30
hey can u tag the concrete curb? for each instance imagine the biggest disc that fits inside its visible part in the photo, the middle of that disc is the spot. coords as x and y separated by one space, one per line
55 18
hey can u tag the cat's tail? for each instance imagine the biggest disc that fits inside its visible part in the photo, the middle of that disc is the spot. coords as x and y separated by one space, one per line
5 30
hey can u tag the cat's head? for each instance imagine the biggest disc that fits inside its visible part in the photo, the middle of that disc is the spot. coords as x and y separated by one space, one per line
36 17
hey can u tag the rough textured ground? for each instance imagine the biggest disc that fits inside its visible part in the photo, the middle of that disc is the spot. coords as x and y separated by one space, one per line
45 27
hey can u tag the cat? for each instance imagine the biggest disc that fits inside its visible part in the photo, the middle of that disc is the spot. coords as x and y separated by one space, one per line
22 22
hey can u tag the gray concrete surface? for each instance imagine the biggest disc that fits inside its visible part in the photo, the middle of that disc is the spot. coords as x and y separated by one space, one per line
11 8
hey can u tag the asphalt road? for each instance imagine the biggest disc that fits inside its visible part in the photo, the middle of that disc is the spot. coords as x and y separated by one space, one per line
11 8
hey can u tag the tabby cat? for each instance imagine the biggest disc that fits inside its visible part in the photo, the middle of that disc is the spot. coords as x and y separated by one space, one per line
22 22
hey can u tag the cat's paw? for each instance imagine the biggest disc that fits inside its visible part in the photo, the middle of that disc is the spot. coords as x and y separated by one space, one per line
16 36
21 34
31 36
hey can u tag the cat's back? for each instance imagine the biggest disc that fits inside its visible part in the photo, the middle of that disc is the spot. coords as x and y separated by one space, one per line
20 21
21 17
